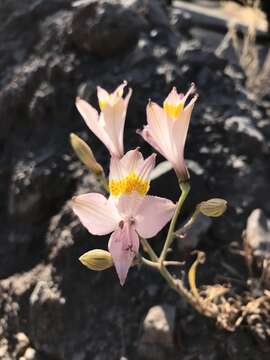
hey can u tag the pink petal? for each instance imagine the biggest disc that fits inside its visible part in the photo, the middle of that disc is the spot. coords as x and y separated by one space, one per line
120 168
160 128
90 116
157 122
127 98
127 205
180 130
173 97
96 213
111 99
152 215
123 246
144 169
114 122
116 169
131 161
103 96
147 136
114 116
131 173
118 92
190 91
181 126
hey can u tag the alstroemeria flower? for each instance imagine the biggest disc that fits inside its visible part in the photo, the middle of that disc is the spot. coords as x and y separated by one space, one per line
108 126
167 128
128 213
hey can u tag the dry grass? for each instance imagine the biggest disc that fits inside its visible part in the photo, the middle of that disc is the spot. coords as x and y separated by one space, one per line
257 71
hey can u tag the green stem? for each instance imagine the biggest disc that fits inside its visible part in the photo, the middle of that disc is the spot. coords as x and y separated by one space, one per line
185 187
189 223
160 263
178 286
148 248
149 263
173 263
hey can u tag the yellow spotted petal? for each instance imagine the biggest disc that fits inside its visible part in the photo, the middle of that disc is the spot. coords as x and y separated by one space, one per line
172 110
132 182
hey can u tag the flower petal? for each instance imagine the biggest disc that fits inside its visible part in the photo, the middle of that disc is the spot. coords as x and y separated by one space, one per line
127 205
103 97
118 93
90 116
158 122
160 128
152 215
119 168
180 129
114 122
96 213
144 169
116 169
114 116
123 245
131 161
147 136
131 173
190 91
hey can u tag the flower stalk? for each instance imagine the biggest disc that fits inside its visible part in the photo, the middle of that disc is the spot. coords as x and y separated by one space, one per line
160 263
148 248
185 188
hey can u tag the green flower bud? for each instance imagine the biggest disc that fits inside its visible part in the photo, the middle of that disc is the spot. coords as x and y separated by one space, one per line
213 207
85 154
97 259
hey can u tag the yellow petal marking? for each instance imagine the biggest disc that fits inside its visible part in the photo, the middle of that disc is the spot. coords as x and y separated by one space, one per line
102 103
129 184
172 110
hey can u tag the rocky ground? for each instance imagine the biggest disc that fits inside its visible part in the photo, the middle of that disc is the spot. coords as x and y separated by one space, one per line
51 306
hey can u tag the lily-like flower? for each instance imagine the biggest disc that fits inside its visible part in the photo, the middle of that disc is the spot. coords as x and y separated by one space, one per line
128 213
167 128
108 126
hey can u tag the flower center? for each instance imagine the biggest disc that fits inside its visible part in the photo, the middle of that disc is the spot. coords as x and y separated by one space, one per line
129 184
173 110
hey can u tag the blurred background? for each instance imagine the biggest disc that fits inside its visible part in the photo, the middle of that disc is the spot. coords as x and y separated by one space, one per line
51 307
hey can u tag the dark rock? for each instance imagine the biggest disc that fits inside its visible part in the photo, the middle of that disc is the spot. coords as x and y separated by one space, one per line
157 340
257 244
29 199
46 303
257 234
39 107
181 20
105 28
155 12
244 131
195 59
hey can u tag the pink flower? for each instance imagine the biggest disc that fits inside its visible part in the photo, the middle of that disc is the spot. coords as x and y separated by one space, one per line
167 128
128 213
108 126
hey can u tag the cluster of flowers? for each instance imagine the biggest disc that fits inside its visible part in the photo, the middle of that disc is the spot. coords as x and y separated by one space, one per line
129 213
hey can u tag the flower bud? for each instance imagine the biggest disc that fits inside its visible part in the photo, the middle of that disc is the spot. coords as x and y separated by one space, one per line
213 207
85 154
97 259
